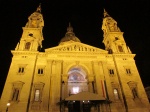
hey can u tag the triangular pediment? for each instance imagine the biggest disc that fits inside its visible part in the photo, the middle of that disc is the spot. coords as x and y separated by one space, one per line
75 47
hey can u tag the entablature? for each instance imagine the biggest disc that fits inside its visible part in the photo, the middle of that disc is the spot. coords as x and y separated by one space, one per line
76 47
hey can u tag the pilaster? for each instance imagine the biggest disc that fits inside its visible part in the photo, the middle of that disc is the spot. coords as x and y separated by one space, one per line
56 85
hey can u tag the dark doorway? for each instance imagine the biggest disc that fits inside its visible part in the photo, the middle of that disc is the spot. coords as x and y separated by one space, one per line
78 106
74 106
86 107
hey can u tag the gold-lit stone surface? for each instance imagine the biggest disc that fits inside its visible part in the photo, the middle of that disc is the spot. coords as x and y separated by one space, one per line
72 67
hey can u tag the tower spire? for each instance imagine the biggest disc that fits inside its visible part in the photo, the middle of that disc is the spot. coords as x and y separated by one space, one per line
35 20
69 29
113 37
106 14
39 8
32 36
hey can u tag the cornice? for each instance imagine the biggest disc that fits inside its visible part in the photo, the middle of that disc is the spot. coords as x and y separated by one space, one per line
71 54
24 52
76 52
42 54
124 55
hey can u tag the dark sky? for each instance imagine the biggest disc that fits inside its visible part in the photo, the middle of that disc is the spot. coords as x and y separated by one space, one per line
133 17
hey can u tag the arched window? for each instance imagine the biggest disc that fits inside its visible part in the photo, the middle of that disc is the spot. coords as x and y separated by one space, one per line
77 81
120 48
77 75
116 94
27 45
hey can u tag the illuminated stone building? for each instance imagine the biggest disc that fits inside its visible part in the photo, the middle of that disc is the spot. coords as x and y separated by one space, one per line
73 76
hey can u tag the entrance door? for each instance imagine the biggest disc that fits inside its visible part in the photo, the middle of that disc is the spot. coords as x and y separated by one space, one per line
77 82
74 106
78 106
86 107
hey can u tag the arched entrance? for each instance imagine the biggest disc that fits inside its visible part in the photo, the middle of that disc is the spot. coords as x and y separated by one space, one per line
77 82
79 97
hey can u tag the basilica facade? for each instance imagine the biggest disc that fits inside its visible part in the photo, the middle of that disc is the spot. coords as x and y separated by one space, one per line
73 76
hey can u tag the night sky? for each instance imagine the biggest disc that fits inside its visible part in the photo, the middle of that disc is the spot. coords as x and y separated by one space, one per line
133 17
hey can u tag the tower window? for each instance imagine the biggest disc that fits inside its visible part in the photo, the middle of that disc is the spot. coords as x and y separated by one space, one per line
120 48
15 95
116 38
30 34
40 71
27 45
128 71
21 70
111 72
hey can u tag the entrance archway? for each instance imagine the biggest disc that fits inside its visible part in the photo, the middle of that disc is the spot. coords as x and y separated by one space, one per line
79 98
77 80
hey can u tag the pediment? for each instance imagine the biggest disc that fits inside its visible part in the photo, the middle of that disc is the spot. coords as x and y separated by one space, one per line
75 47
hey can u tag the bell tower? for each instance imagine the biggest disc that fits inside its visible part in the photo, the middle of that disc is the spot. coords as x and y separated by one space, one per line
32 36
113 37
18 87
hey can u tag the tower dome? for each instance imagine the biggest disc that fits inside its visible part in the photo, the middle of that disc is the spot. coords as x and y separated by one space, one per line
69 36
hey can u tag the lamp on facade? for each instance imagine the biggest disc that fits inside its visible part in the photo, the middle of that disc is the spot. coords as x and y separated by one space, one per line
8 104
